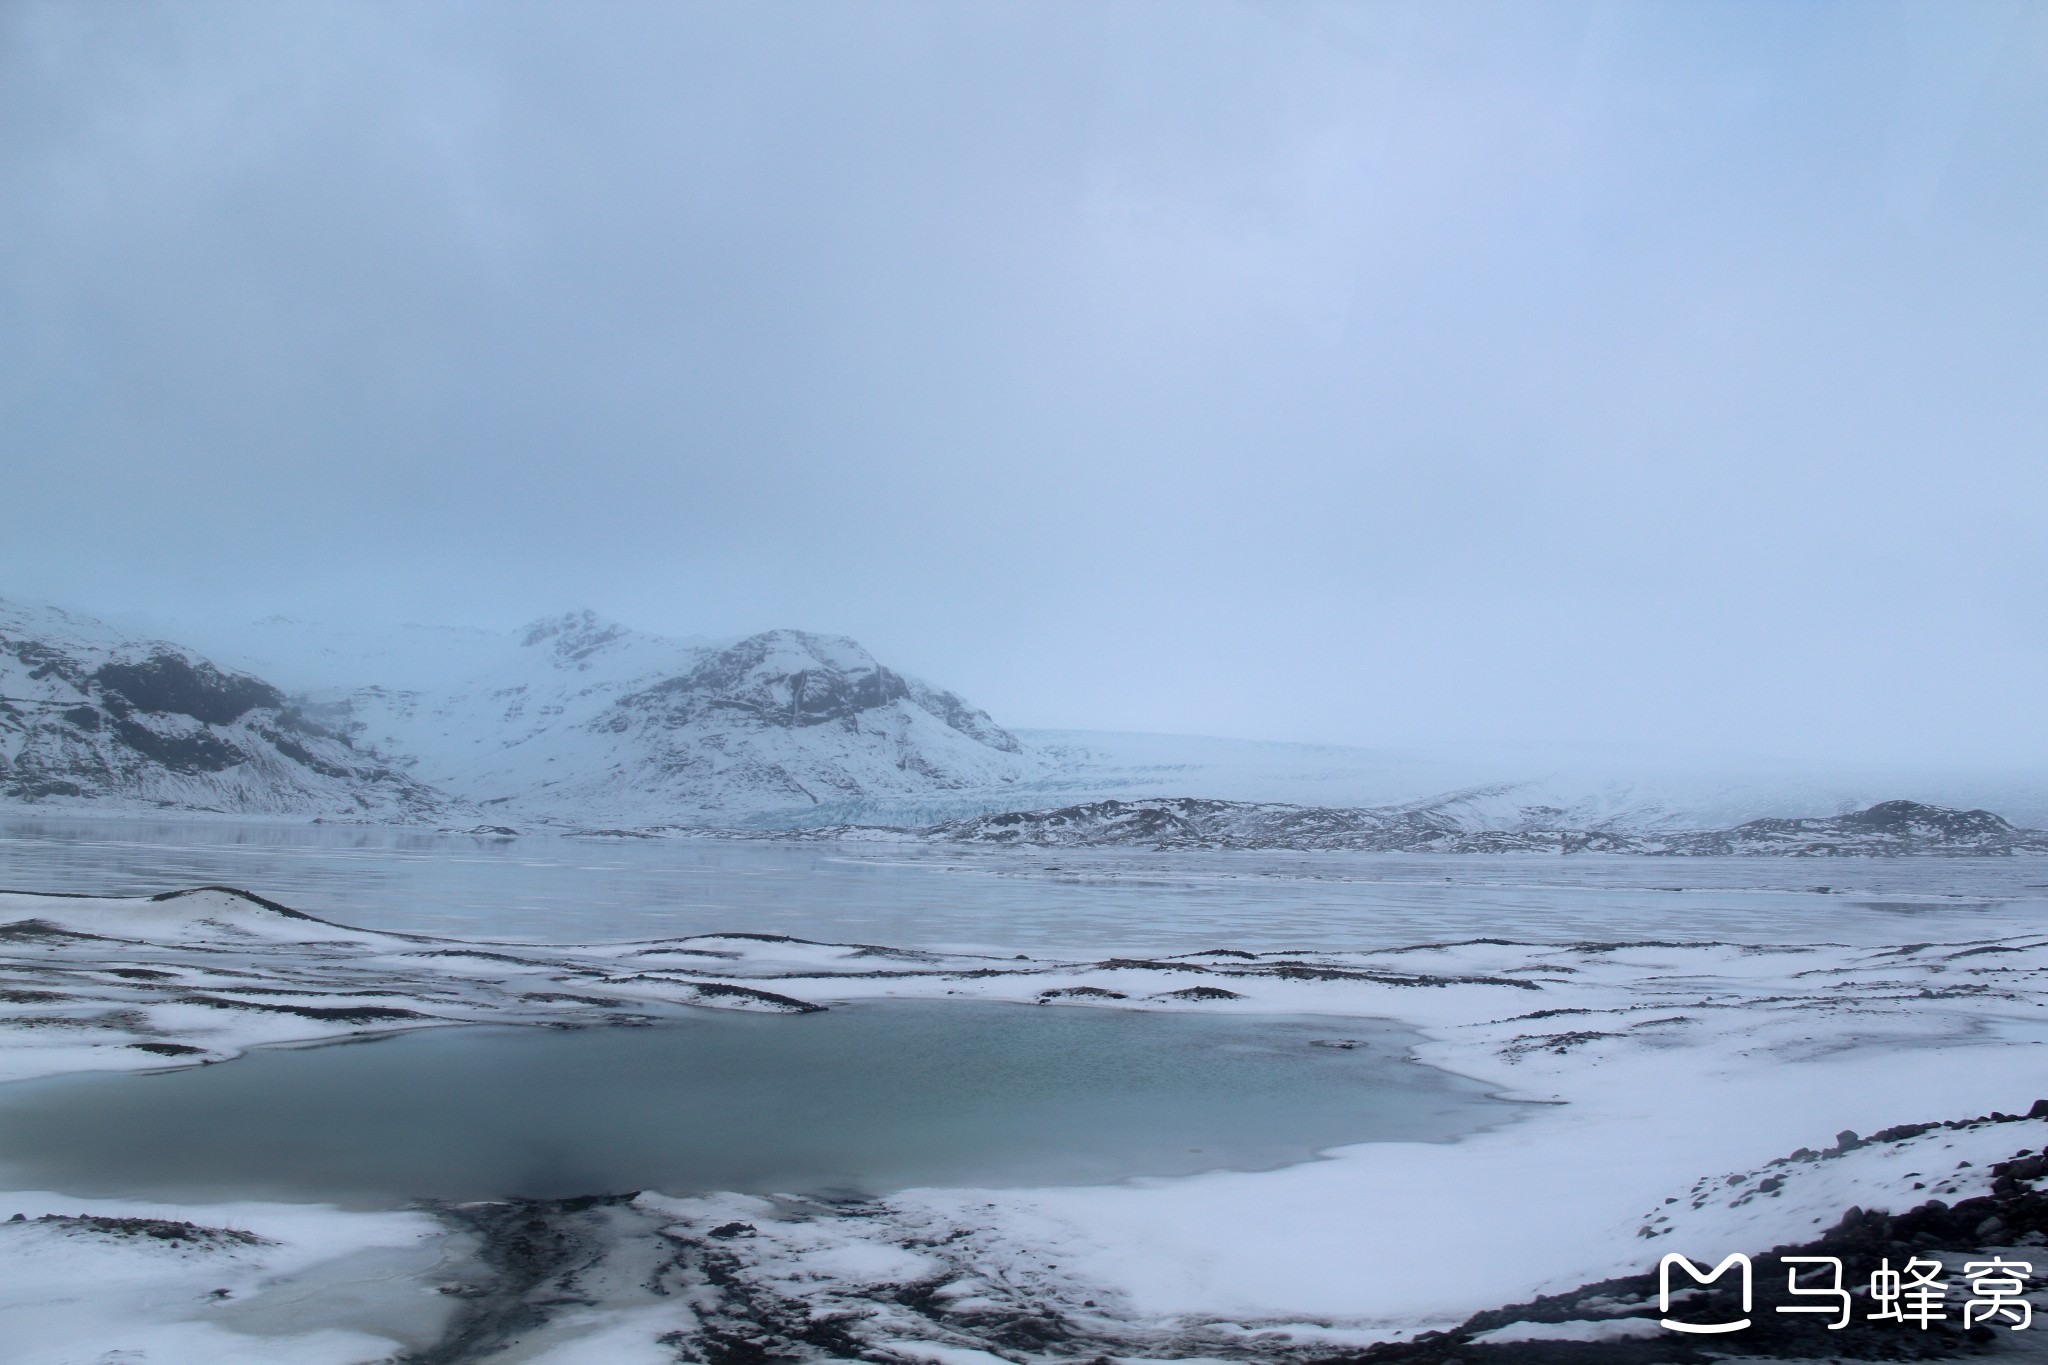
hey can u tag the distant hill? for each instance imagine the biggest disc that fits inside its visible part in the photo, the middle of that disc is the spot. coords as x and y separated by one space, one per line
1888 828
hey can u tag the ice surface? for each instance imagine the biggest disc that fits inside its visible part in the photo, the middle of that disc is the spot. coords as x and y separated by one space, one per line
868 1098
552 889
1677 1034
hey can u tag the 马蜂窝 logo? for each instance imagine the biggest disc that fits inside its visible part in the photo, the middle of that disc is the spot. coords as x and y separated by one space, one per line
1738 1260
1915 1293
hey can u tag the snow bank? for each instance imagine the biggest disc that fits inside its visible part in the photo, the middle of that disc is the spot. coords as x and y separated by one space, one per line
1664 1077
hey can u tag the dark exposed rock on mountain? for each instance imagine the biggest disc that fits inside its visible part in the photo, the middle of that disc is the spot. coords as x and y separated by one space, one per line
785 679
86 718
170 684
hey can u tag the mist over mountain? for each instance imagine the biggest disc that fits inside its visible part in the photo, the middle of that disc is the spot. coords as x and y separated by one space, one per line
578 722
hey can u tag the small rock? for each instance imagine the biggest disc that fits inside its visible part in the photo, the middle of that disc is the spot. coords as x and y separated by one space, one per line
728 1231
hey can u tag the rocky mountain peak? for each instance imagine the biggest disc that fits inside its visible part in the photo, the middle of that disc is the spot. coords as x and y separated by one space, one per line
1917 819
783 679
572 638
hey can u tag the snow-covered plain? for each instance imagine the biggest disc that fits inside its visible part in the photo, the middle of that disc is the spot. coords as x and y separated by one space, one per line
1661 1065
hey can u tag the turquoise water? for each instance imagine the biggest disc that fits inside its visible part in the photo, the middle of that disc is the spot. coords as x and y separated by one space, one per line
860 1099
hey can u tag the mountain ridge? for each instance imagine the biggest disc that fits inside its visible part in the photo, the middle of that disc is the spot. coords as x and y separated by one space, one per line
571 719
578 722
1895 827
88 717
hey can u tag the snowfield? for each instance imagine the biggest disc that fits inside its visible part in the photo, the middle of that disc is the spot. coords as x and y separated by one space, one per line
1683 1095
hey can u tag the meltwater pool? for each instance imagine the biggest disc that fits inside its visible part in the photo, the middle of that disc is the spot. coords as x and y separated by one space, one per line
859 1099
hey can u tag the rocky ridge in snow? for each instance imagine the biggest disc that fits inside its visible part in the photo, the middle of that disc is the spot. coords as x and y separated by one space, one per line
1888 828
91 720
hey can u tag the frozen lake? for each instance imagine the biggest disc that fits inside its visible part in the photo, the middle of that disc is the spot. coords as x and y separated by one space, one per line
866 1098
546 888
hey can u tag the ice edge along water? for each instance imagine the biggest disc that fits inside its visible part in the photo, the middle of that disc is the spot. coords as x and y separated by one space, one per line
1661 1065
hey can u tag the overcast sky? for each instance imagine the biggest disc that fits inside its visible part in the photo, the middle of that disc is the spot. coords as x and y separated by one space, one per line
1379 373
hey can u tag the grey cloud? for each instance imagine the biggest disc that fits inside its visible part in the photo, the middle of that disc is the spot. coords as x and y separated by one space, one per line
1381 373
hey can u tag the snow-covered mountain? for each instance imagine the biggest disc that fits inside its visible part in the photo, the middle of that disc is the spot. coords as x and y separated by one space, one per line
586 721
574 719
583 722
90 719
